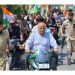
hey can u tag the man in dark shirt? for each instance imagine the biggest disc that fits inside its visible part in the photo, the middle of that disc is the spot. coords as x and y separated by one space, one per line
14 30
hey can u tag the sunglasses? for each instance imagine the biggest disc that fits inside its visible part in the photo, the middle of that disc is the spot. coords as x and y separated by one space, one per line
11 23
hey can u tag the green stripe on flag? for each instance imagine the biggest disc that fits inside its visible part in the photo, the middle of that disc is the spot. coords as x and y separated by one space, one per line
5 23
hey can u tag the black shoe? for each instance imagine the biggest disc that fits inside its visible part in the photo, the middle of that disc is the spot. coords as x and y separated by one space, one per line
69 61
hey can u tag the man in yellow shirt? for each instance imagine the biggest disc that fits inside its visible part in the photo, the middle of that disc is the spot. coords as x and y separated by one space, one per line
68 31
4 36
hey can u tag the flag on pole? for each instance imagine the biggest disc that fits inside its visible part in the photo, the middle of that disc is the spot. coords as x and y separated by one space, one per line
7 15
65 13
5 11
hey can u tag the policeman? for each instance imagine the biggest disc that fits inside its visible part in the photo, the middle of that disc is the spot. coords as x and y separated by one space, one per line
67 30
4 36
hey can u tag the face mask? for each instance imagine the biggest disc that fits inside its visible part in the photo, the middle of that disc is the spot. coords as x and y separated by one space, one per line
12 24
1 28
70 19
0 32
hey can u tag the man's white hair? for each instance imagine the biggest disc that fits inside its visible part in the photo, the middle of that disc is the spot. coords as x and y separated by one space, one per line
41 23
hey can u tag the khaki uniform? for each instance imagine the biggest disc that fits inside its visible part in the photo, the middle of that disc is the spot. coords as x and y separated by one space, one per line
69 31
4 36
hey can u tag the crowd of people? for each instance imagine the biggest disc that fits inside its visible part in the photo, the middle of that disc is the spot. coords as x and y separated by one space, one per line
38 33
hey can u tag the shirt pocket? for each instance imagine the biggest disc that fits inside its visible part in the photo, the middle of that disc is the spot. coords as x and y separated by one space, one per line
67 26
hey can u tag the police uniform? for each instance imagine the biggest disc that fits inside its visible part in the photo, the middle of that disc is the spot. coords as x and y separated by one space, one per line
69 31
4 36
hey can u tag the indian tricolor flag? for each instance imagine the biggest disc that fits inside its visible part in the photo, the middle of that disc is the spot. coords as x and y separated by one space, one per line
7 15
65 13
